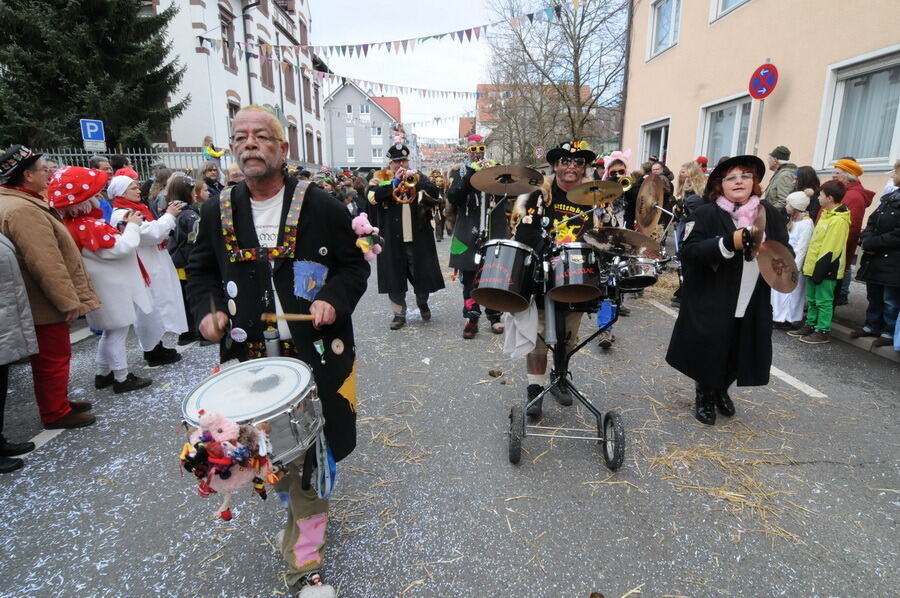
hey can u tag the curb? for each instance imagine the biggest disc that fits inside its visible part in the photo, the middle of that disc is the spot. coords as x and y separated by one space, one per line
841 332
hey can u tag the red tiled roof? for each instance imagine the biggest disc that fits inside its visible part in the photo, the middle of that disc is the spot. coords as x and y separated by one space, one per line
390 105
466 126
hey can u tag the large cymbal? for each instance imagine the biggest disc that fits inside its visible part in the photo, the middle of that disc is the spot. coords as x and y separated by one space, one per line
777 266
622 241
507 180
595 193
650 197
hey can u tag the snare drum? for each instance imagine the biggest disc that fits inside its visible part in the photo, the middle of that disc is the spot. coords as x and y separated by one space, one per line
575 274
505 277
276 390
637 273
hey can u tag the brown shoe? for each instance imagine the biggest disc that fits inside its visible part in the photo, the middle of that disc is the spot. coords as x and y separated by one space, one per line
882 341
72 419
861 332
80 406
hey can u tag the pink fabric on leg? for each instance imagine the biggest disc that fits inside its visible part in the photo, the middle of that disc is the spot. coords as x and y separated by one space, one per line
311 539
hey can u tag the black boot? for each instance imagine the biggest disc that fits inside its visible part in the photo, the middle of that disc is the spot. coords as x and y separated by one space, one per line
534 410
723 402
704 407
161 355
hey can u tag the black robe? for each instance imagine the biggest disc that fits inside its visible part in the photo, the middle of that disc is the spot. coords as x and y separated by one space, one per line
466 201
708 343
324 236
392 260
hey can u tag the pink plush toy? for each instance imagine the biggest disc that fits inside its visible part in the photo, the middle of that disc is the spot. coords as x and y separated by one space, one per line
369 241
225 456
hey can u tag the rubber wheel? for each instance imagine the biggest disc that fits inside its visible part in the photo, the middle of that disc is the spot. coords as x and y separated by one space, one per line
516 433
612 440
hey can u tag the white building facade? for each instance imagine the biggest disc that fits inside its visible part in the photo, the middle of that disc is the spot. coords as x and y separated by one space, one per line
358 129
248 60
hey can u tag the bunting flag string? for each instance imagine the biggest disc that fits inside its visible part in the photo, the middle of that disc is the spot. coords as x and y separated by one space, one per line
437 120
406 45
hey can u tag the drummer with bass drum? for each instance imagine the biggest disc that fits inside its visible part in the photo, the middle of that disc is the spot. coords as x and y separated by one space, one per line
275 244
545 217
479 217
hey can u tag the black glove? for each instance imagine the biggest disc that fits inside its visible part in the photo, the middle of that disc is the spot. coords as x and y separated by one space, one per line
728 242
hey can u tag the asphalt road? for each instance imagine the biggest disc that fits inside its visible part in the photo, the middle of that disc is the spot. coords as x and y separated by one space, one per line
797 495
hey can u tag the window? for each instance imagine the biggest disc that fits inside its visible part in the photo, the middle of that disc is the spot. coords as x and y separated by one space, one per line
307 101
655 140
376 131
319 145
377 153
351 155
351 136
364 108
304 36
864 114
233 109
666 15
289 85
723 7
294 140
310 151
316 94
226 22
725 129
349 108
267 75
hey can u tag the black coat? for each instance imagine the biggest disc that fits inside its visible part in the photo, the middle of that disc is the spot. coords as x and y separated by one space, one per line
324 236
466 200
387 214
182 237
880 242
708 343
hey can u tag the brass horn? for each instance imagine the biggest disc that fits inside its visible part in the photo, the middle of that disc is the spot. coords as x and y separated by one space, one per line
405 192
627 183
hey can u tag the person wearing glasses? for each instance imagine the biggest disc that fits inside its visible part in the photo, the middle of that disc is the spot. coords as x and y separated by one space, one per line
467 203
723 332
404 217
538 221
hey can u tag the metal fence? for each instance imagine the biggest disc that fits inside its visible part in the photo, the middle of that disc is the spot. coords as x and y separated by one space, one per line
142 159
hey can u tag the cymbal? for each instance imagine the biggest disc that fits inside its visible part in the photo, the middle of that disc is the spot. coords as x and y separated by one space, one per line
595 193
622 241
507 180
651 195
777 266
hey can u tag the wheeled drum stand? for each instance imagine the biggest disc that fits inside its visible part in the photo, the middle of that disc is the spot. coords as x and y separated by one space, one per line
610 430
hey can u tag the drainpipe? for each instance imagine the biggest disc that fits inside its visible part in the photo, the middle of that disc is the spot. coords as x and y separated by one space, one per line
247 53
625 73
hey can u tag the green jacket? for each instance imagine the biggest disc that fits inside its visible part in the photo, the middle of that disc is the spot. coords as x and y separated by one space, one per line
826 257
780 185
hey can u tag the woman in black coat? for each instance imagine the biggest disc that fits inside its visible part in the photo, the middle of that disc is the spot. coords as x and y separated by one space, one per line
723 332
880 267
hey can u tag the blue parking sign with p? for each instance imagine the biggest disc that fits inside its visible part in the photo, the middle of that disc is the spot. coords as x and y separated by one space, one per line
92 130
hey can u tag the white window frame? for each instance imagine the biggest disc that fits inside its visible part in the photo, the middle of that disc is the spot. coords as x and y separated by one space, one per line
379 133
646 127
716 12
675 33
349 109
350 135
377 153
836 75
365 109
351 154
738 98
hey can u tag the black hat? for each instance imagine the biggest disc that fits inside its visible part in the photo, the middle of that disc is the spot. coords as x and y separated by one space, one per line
720 169
576 149
15 160
398 151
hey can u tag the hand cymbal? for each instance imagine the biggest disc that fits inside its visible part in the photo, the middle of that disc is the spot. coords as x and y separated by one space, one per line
776 264
507 180
650 197
595 193
622 241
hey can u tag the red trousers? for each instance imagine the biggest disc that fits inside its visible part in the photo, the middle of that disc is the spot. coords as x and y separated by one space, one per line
50 370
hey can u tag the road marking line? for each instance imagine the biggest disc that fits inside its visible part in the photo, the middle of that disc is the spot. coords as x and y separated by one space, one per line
44 437
781 375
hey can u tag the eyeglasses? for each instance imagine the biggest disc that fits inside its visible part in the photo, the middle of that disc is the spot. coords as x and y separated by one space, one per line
616 172
744 176
476 148
241 138
566 160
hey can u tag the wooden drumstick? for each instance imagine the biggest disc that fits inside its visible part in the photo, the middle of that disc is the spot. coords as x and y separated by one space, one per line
270 317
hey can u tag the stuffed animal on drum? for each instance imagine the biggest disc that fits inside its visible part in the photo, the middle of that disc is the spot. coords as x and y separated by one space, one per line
369 241
225 456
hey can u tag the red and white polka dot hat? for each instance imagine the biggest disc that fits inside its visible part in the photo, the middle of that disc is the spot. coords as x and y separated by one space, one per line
71 185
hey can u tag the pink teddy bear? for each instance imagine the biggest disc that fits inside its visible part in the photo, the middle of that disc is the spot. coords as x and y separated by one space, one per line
369 241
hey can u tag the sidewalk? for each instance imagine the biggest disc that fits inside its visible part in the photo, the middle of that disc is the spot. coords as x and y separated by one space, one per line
853 315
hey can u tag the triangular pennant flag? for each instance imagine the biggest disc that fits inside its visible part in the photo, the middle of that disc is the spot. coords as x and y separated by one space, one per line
460 35
396 47
469 34
478 33
412 45
366 49
514 22
530 17
404 43
558 11
575 4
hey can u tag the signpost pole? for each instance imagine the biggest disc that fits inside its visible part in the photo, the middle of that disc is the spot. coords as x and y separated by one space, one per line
759 116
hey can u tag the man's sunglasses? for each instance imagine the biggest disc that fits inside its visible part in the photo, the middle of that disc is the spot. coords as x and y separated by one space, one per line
476 148
566 160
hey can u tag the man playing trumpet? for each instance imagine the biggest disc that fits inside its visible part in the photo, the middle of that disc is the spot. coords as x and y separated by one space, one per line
404 217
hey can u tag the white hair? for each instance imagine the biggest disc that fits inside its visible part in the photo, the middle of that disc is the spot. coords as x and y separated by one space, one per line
851 178
84 207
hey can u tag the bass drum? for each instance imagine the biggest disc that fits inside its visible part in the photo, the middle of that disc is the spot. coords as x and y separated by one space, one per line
504 280
637 273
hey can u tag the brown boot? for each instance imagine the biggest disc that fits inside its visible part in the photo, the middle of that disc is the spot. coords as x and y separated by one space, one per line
72 419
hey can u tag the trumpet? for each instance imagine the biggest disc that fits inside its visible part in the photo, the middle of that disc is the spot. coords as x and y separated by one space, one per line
627 183
406 192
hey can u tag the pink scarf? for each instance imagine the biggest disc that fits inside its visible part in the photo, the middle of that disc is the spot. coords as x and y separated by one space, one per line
744 214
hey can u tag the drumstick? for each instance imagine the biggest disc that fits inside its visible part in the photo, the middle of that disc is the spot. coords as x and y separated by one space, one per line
217 330
270 317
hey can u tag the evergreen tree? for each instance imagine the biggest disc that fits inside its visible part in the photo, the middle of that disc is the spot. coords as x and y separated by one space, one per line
63 60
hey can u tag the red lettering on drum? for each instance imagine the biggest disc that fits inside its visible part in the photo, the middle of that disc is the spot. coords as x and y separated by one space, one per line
569 273
479 279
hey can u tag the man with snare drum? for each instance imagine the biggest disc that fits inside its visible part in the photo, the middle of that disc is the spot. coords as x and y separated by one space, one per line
275 244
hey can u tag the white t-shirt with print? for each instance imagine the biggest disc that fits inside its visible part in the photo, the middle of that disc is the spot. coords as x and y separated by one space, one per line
267 219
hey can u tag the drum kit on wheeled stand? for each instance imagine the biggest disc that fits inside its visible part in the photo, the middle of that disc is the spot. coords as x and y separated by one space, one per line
573 277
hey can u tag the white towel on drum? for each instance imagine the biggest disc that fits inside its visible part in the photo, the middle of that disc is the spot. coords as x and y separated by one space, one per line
520 331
